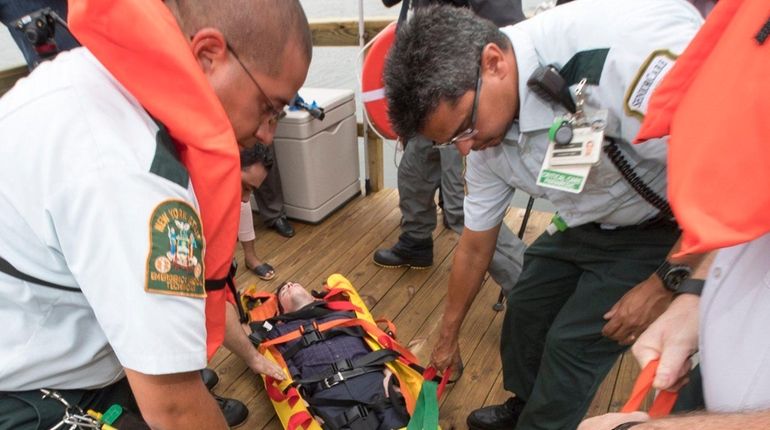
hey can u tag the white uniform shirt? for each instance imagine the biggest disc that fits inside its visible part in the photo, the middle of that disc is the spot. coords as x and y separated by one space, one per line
633 31
735 316
77 198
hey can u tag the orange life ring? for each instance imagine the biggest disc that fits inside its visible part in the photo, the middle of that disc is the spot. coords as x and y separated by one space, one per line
372 86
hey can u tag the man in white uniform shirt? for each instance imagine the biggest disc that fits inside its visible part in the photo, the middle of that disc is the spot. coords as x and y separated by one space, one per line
592 284
100 236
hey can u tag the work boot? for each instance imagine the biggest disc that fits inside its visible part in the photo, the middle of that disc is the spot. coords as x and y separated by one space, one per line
407 252
235 411
498 417
210 378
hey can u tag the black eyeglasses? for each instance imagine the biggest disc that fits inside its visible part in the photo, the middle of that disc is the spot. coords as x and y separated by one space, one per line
275 114
470 131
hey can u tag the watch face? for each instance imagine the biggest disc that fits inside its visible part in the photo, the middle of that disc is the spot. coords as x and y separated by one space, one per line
675 276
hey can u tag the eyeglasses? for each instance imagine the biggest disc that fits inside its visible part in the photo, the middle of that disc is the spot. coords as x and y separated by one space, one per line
470 131
275 114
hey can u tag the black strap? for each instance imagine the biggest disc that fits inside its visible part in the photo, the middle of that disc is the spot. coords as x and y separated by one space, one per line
404 11
243 317
216 284
8 268
347 369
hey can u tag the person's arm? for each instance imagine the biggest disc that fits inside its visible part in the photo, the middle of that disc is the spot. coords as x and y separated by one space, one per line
702 421
673 337
641 305
709 421
175 401
472 257
238 343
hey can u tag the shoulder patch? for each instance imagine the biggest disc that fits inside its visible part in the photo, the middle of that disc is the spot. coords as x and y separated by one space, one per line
654 68
175 259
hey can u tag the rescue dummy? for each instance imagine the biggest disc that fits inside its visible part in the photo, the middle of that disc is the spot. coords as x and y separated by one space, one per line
349 373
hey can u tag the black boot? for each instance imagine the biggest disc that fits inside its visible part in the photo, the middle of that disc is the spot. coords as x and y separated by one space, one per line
235 411
407 252
498 417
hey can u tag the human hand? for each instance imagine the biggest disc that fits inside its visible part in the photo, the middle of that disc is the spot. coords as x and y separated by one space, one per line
610 421
636 310
446 353
262 366
672 338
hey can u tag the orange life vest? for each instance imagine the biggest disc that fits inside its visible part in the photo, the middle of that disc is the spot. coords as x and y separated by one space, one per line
714 105
141 45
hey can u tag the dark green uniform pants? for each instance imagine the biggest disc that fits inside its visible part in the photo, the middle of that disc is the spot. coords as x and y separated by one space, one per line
27 410
553 353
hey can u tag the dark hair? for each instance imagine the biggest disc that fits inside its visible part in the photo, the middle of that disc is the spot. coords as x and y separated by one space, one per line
435 57
281 311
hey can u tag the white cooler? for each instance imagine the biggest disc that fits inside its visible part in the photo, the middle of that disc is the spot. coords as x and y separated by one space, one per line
318 160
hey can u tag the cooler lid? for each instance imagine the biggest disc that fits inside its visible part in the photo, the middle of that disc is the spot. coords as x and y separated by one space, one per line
327 98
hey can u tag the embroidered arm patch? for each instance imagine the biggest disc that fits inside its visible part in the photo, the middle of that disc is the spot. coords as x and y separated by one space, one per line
654 68
175 259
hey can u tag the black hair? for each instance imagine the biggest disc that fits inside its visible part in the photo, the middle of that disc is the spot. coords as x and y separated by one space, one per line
436 57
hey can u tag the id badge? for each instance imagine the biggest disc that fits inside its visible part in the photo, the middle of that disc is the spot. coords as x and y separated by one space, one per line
571 179
585 147
567 164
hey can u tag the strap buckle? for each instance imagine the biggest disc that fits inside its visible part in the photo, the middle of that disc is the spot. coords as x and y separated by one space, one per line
342 365
333 380
310 334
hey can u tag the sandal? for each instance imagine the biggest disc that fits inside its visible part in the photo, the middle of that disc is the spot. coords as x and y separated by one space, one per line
264 271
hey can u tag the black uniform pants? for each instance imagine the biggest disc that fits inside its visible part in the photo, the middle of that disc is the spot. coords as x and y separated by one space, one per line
27 410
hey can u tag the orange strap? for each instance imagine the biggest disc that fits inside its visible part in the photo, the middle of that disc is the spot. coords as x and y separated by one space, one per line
391 328
662 404
370 328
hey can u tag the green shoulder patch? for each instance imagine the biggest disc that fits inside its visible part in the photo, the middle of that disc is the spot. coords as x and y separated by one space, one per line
175 259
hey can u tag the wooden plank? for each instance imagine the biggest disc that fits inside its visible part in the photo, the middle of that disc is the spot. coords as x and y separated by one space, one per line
603 398
313 257
289 256
344 31
9 77
629 370
360 254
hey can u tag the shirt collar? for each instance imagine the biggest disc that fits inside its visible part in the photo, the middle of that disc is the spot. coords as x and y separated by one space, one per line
534 113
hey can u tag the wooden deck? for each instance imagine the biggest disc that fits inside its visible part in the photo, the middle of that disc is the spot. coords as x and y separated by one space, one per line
413 299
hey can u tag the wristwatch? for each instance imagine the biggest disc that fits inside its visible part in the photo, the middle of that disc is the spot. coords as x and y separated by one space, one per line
673 275
691 286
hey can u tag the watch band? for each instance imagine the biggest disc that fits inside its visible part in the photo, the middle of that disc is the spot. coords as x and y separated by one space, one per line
691 286
663 269
627 425
672 275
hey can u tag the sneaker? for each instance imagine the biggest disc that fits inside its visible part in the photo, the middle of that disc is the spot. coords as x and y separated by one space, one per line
235 411
498 417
